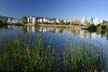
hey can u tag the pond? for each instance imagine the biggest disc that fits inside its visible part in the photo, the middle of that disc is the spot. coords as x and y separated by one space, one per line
59 37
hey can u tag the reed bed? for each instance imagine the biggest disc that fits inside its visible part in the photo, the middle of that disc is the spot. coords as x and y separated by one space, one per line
20 54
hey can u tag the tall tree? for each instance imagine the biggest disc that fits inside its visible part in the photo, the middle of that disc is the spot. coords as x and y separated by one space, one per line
77 22
24 20
3 21
62 22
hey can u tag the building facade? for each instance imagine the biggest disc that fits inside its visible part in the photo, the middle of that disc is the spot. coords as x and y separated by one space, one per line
31 19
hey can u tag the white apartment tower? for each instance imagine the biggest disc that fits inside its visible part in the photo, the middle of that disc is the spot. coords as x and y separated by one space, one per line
33 20
97 21
29 19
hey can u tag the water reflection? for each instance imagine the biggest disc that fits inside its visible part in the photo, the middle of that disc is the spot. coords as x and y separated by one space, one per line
4 27
75 32
60 35
28 28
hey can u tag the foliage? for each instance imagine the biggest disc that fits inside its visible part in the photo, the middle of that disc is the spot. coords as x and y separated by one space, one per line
92 28
76 22
104 22
62 22
24 20
3 21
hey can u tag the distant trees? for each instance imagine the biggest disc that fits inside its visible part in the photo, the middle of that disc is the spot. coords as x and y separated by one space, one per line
24 20
86 22
62 22
104 22
76 22
3 21
0 21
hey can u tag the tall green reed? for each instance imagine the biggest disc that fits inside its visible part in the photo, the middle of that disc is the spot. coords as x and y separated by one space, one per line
23 55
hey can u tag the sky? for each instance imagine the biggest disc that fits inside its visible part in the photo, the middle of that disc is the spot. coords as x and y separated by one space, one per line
65 9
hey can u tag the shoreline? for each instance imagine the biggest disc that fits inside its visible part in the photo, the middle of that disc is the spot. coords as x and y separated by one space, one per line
65 26
51 25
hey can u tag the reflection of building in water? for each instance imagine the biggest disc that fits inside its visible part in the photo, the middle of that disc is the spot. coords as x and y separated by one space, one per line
30 28
56 30
81 33
87 34
93 35
75 32
52 29
64 31
44 30
40 29
84 34
99 35
11 27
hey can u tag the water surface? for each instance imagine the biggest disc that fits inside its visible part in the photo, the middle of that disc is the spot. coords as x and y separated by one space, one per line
59 38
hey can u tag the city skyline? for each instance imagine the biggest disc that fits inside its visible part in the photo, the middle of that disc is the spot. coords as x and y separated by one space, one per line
63 9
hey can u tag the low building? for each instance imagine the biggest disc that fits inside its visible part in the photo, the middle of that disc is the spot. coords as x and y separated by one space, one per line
39 20
13 20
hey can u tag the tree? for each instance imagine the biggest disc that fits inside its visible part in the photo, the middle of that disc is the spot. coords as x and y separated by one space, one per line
104 22
3 21
62 22
24 20
86 22
76 21
0 22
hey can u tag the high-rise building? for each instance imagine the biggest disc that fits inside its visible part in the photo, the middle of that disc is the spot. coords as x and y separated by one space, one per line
57 21
9 20
33 20
97 21
29 19
91 20
83 20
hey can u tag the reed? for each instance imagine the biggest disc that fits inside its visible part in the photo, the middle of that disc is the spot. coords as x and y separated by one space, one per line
22 55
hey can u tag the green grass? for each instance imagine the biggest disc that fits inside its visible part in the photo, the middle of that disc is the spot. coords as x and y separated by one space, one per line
19 55
82 59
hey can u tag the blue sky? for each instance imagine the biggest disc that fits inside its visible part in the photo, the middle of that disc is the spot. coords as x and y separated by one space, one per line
66 9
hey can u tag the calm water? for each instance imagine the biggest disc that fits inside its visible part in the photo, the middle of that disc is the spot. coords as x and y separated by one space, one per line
59 37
